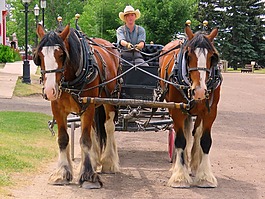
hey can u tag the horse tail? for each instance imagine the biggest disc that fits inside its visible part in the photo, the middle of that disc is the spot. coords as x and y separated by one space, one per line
100 118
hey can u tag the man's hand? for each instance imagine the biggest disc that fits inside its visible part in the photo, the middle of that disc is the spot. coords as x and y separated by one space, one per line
138 47
129 46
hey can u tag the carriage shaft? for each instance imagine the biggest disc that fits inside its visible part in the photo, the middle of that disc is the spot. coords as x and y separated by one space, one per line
135 102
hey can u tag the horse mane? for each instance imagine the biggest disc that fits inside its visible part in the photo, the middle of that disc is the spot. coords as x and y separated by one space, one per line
73 54
200 41
74 50
51 39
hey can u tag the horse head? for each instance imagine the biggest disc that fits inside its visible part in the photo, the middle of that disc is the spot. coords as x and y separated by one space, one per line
201 56
51 56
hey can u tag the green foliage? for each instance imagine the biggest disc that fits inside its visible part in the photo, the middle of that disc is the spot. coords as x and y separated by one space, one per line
241 29
16 55
101 18
161 19
6 54
16 21
65 9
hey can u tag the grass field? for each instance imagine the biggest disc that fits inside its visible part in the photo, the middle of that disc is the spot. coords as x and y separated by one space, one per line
25 142
22 90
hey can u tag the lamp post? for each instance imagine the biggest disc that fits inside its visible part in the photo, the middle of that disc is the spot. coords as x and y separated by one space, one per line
26 66
43 6
36 13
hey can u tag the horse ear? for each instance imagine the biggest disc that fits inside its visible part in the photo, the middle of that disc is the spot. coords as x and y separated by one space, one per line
213 34
189 32
65 32
40 31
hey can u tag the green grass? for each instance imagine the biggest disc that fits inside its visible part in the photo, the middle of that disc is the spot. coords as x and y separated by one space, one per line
23 90
25 143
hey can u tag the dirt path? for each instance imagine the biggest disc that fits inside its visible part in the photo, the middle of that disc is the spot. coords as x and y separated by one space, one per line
237 156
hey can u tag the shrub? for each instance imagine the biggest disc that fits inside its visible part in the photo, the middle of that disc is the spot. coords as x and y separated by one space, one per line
17 56
7 54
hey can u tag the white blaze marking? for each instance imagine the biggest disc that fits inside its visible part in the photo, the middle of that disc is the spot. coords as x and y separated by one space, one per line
202 64
50 64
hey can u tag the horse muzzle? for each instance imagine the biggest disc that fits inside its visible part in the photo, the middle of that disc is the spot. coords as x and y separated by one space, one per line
51 93
198 93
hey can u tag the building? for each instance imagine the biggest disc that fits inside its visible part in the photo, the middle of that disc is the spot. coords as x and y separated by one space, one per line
3 13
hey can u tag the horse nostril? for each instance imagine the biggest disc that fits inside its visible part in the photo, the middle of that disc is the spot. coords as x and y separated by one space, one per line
193 92
44 96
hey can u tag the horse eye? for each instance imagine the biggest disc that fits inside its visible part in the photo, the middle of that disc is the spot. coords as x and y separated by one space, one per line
62 57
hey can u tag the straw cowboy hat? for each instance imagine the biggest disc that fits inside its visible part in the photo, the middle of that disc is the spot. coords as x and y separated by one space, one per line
129 10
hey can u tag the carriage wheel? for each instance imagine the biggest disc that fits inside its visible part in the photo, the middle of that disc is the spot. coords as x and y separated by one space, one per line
171 144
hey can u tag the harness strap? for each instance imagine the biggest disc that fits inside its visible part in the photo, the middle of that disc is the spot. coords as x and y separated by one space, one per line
102 74
43 72
199 68
88 67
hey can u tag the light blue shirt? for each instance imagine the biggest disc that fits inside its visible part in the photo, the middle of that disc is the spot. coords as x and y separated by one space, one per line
134 37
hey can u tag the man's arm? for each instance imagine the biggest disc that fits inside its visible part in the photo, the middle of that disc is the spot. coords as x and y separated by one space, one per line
121 39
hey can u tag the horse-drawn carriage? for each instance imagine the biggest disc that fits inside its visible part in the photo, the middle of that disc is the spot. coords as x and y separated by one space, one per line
141 85
82 75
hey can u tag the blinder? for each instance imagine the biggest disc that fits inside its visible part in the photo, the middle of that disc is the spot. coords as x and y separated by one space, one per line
36 59
214 60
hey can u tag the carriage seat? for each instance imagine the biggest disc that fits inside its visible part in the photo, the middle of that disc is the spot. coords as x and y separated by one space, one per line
139 85
152 49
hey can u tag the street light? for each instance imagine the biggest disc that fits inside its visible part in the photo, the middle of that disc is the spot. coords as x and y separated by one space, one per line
43 6
36 13
26 66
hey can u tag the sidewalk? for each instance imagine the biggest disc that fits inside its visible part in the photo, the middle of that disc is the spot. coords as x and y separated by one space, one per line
9 75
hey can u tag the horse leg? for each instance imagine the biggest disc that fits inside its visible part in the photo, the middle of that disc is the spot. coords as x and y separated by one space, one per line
64 173
189 140
110 158
204 176
180 175
88 178
196 152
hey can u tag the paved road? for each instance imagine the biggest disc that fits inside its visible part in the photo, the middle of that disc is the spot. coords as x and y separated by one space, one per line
32 104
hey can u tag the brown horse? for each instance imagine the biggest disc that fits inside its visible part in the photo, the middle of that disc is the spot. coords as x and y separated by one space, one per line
195 79
72 68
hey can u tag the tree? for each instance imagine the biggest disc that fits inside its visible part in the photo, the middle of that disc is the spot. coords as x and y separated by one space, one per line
16 18
241 32
161 18
164 18
66 9
100 18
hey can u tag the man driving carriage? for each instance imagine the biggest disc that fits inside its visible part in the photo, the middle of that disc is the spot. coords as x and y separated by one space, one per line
131 37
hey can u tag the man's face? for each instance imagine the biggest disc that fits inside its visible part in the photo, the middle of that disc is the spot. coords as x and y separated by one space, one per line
130 18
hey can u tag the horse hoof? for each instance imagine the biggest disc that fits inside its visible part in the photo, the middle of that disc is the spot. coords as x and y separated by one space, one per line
113 170
91 185
179 185
59 182
206 184
61 177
